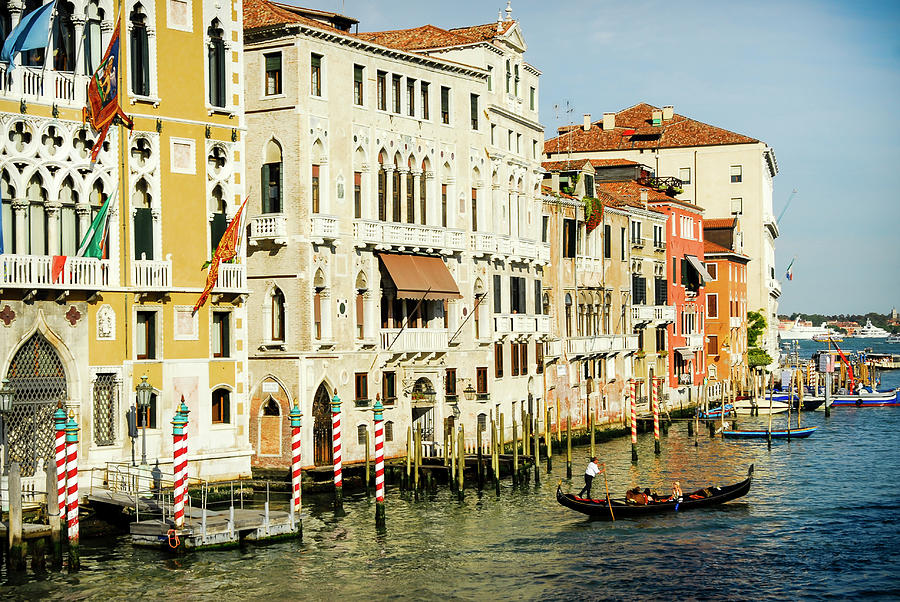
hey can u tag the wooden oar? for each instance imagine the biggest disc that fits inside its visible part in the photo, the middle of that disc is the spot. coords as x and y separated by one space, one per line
608 503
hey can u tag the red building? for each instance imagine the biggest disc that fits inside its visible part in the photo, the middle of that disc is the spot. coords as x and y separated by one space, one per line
686 276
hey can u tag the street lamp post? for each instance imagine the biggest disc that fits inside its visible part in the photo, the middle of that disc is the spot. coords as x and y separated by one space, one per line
6 397
144 391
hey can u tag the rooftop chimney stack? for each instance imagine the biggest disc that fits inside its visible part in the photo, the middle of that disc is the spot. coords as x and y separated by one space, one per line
668 112
609 121
587 122
656 118
644 198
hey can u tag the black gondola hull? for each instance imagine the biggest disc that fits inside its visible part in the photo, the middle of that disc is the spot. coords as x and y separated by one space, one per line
599 509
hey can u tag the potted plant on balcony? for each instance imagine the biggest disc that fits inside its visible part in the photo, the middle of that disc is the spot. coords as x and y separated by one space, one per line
663 353
641 354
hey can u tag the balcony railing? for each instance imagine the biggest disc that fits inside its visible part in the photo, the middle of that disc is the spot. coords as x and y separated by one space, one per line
36 271
659 245
553 349
521 324
669 185
771 224
324 227
232 278
581 346
35 84
151 274
543 249
693 340
774 288
646 314
414 340
268 226
638 241
482 243
408 236
583 263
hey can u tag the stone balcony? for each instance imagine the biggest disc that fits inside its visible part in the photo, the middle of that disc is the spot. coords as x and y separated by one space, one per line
415 340
694 341
407 237
652 314
774 287
521 324
45 86
152 274
584 264
323 228
268 228
232 278
507 248
36 272
553 349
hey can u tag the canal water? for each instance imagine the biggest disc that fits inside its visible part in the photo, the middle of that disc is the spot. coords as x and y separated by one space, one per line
821 520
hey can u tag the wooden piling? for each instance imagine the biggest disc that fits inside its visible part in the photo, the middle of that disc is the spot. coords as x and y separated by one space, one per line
479 468
446 441
409 452
417 457
501 436
591 427
15 560
53 517
537 451
568 447
515 446
367 462
548 439
497 466
462 461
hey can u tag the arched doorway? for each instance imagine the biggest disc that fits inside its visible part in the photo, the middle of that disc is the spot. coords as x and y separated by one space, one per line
38 379
423 397
322 443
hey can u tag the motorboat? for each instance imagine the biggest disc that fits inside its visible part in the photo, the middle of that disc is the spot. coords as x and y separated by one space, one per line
893 338
870 331
749 406
801 330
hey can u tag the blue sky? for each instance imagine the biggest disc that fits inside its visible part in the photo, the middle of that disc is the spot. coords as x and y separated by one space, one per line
818 81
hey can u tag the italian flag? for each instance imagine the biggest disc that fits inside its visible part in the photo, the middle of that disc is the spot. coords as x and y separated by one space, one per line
95 239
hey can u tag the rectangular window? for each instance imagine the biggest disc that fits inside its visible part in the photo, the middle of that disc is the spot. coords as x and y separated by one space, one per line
395 207
538 357
221 334
382 90
411 96
147 419
545 228
357 194
622 232
607 241
713 270
423 199
273 73
636 238
145 336
493 134
531 96
473 110
395 93
360 315
450 382
537 297
658 237
684 174
410 197
638 289
445 105
315 75
523 358
361 387
518 143
105 408
514 348
358 82
481 381
569 238
317 315
737 206
712 305
423 87
498 306
221 406
474 210
388 388
314 187
661 292
674 278
713 345
444 205
736 175
498 360
660 339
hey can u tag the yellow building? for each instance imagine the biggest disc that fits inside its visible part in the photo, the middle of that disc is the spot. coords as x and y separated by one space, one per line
84 330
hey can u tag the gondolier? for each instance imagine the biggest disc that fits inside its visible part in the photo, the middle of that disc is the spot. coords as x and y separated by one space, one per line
593 469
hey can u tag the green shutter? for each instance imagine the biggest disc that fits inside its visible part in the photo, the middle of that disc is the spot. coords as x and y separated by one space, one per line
143 234
217 229
264 177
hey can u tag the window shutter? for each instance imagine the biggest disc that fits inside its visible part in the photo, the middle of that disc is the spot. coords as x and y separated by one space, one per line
522 304
538 309
264 177
607 242
145 61
143 233
151 336
278 209
498 295
360 313
226 335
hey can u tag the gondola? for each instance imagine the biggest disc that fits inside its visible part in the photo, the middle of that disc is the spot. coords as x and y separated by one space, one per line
797 433
709 496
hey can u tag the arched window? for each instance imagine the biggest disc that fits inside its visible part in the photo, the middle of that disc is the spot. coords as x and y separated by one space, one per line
143 221
271 408
362 432
395 196
37 220
219 220
508 77
96 199
272 179
388 431
217 82
93 44
382 189
568 315
221 406
423 195
140 52
63 38
277 315
7 194
68 222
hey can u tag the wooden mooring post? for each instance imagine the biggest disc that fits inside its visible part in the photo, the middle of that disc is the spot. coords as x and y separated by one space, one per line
461 458
15 561
409 453
54 518
417 458
515 447
536 460
479 469
548 439
568 447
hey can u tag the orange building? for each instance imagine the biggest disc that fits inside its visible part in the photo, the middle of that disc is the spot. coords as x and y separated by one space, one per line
726 304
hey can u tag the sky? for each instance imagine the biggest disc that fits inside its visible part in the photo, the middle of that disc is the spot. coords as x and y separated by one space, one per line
818 81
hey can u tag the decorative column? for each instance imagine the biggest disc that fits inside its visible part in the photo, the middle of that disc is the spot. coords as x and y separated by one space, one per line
634 455
295 416
180 464
379 463
20 220
51 211
388 192
404 180
72 493
336 451
654 384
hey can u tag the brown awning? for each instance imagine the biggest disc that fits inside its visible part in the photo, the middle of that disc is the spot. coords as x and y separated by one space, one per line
417 275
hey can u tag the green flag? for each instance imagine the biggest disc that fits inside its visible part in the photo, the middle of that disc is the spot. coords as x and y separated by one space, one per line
93 242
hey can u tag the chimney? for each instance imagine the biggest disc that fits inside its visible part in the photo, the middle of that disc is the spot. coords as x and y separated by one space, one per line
668 112
609 121
657 118
644 197
587 122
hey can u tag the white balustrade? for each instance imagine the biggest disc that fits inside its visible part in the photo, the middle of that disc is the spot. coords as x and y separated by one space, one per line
408 235
154 274
693 340
268 226
483 243
232 278
544 252
583 263
414 340
653 313
35 84
36 271
324 226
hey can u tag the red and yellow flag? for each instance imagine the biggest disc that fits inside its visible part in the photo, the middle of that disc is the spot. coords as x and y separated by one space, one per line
103 94
226 250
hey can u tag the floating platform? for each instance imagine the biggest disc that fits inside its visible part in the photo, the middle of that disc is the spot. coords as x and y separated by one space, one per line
219 529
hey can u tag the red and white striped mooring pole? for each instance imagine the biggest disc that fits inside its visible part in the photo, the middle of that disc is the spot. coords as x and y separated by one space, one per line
296 416
179 440
634 455
72 491
336 451
379 463
654 386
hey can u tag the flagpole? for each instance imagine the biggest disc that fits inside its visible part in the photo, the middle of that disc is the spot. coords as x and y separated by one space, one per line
124 198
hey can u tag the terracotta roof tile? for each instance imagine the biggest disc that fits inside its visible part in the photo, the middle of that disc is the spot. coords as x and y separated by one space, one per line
262 13
628 194
719 223
710 247
564 165
430 36
679 131
612 162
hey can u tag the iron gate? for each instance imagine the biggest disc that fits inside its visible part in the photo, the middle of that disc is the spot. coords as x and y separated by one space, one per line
38 380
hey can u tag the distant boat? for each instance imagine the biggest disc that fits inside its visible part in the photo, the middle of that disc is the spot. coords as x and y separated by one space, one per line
745 407
870 331
798 433
894 338
869 399
804 331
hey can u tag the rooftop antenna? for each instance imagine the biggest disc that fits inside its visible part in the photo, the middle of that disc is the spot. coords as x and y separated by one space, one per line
567 111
